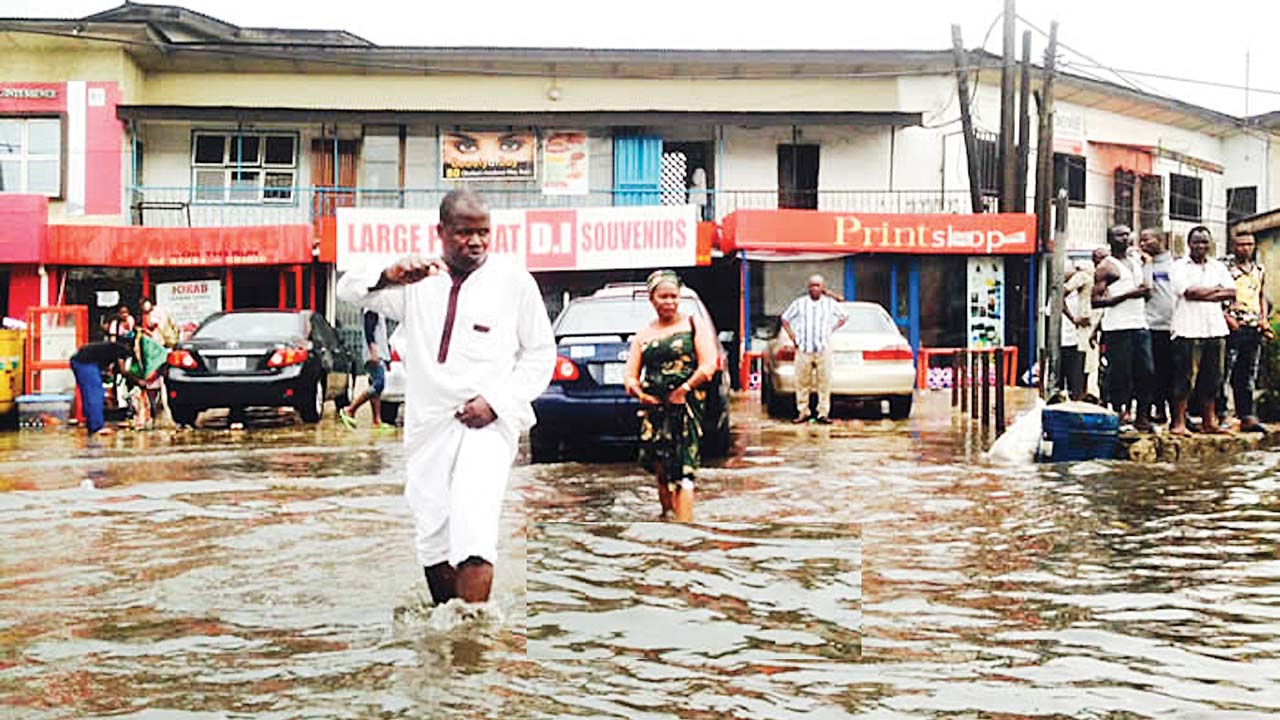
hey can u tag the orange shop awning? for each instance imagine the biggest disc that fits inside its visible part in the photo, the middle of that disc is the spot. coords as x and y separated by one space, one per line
125 246
1109 157
844 233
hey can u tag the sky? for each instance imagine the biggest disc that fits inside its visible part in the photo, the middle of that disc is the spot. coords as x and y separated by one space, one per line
1202 41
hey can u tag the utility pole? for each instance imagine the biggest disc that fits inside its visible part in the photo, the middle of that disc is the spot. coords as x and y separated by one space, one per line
1024 124
966 121
1044 195
1008 163
1044 142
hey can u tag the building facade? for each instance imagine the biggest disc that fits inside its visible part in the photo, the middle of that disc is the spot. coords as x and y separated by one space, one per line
176 124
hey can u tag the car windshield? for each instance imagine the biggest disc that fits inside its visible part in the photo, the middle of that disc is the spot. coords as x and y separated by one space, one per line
866 319
608 317
250 326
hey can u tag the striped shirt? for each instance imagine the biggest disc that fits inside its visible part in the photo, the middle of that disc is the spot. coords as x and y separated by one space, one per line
812 321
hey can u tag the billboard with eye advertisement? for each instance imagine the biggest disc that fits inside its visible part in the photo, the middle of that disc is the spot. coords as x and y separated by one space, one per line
488 155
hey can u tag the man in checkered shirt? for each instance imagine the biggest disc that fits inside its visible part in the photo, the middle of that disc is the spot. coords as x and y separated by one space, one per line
810 321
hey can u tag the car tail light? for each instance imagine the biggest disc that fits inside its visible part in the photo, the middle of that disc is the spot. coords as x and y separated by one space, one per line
286 356
395 355
893 352
566 370
182 359
787 352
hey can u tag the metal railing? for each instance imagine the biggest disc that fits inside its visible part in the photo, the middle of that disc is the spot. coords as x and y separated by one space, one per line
1087 227
183 206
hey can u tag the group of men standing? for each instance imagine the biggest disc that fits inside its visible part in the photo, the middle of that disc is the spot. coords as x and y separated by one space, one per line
1176 333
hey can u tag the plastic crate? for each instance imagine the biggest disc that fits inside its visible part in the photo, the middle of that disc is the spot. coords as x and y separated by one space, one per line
1072 432
39 411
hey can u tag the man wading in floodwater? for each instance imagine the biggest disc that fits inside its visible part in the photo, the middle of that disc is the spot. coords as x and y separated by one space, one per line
477 350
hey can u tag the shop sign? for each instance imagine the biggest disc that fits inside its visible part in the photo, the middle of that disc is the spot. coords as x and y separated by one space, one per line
483 155
565 159
1068 132
553 239
189 303
837 232
125 246
29 97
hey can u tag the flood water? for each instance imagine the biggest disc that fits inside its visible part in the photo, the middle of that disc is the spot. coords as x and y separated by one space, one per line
867 569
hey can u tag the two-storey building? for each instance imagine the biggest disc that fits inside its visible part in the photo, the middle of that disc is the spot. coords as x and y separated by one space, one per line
176 147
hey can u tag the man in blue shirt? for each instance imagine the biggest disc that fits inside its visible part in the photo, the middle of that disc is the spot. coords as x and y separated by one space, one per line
809 321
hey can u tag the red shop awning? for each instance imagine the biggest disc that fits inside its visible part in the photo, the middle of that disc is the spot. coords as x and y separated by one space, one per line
179 247
844 233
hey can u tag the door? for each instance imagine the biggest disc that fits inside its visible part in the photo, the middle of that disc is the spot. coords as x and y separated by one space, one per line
334 358
637 170
333 168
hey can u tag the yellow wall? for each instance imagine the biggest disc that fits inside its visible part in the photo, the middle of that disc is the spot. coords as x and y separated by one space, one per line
27 58
506 94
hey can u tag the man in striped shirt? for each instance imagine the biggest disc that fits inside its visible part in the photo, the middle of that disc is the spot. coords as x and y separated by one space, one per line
809 321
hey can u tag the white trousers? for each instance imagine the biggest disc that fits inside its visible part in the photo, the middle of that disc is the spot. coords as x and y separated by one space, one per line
455 480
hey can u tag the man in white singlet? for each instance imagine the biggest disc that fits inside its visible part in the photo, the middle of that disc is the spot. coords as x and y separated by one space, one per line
1120 288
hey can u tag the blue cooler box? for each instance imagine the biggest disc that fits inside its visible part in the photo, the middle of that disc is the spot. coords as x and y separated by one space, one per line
1076 431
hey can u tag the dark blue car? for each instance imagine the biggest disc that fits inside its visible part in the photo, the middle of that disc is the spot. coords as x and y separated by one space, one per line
586 404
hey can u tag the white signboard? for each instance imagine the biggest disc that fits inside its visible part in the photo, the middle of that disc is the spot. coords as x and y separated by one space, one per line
986 302
553 239
189 303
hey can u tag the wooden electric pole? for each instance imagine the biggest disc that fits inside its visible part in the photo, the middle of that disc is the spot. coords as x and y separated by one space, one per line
1008 158
1044 143
1024 124
1044 196
966 120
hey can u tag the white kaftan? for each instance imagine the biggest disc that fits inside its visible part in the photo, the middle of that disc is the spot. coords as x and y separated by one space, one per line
500 347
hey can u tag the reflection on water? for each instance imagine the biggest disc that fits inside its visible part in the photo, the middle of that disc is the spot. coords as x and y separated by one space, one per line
269 573
712 618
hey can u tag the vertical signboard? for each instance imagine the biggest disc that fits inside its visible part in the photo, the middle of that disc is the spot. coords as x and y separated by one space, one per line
986 302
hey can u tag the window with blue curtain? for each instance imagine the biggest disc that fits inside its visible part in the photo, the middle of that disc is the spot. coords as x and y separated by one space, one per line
637 169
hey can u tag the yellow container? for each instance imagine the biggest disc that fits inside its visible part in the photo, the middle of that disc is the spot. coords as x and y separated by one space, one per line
11 342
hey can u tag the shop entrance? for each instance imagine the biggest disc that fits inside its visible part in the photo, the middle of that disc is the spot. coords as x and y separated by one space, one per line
893 282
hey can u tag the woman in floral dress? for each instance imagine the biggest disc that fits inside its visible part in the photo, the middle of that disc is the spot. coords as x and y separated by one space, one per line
671 360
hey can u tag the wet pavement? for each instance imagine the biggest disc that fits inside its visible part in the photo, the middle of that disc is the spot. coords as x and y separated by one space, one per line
866 569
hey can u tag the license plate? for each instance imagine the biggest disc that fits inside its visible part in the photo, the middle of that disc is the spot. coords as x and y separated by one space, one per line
614 373
232 364
849 358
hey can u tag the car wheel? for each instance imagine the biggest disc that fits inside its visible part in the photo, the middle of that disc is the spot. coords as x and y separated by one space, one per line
900 407
390 412
778 406
543 448
183 415
310 402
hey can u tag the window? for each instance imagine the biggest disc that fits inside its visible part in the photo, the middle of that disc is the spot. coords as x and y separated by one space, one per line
798 176
1069 173
380 158
1241 202
31 156
243 167
988 163
1184 197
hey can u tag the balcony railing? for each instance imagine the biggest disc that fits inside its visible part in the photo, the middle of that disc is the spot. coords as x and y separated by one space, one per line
180 206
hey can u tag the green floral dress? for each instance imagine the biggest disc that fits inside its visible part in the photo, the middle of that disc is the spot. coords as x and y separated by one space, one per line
671 435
